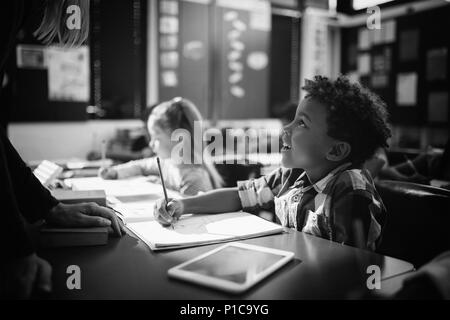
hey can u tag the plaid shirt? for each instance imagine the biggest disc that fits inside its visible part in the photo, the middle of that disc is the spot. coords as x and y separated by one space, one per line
344 206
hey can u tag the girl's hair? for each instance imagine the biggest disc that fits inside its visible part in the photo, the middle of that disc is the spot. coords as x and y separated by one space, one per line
53 25
180 113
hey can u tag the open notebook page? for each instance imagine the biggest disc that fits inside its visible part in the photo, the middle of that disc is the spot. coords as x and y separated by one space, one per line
192 230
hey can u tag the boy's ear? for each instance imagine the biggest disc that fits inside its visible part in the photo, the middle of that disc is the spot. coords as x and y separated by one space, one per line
339 151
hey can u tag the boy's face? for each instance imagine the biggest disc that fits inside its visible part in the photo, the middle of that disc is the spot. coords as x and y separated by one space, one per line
305 140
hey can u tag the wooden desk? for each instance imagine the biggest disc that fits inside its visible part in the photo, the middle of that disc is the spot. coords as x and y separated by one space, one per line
127 269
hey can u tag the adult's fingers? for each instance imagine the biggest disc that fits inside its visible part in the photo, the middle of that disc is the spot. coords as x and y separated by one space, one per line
27 270
93 209
84 220
44 276
122 227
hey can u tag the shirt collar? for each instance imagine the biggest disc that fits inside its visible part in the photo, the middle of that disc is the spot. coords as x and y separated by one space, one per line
320 185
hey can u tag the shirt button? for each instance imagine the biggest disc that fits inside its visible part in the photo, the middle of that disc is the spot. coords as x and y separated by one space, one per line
295 198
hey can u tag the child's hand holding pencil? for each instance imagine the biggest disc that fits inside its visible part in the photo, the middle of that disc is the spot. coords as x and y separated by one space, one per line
165 212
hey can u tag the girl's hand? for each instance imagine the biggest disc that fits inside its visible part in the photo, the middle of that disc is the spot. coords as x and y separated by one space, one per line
167 214
108 173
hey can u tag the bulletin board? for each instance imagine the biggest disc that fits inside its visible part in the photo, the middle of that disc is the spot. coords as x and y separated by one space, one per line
217 55
183 52
406 62
52 83
44 91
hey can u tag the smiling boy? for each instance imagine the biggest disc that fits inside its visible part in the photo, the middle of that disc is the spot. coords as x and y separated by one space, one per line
321 188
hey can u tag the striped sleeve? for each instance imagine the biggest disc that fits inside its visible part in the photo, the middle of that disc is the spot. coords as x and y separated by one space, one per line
256 194
358 211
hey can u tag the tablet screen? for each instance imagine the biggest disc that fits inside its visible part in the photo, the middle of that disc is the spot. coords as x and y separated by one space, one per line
234 264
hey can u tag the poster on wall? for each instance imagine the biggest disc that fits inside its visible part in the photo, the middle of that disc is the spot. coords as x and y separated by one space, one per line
169 78
168 24
31 57
315 48
244 36
169 59
169 7
388 29
407 89
364 64
68 74
363 39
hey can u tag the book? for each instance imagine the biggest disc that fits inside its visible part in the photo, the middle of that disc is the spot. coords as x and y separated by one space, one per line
77 196
201 229
50 237
46 172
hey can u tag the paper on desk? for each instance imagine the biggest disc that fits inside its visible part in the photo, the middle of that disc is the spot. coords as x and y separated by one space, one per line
122 189
134 212
194 230
132 198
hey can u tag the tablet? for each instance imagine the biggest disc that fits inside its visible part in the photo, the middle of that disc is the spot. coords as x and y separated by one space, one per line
234 267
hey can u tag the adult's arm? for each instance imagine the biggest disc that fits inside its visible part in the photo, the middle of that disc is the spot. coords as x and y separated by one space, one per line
14 240
33 199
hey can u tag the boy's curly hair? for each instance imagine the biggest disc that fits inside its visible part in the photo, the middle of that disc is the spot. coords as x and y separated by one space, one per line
355 114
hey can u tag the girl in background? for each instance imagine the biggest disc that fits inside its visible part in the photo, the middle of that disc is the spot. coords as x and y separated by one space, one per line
187 178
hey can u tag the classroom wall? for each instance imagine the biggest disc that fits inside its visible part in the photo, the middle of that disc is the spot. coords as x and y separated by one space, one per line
63 140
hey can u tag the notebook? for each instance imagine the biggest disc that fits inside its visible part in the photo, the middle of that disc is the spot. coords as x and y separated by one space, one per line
133 200
46 172
50 237
72 196
202 229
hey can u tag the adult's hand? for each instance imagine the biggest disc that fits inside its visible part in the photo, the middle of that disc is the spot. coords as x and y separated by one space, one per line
22 276
85 215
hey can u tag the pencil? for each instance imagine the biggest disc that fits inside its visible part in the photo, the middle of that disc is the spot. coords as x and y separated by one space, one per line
411 164
163 184
103 165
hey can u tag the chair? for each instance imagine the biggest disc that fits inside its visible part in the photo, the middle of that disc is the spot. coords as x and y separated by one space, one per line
232 173
417 226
